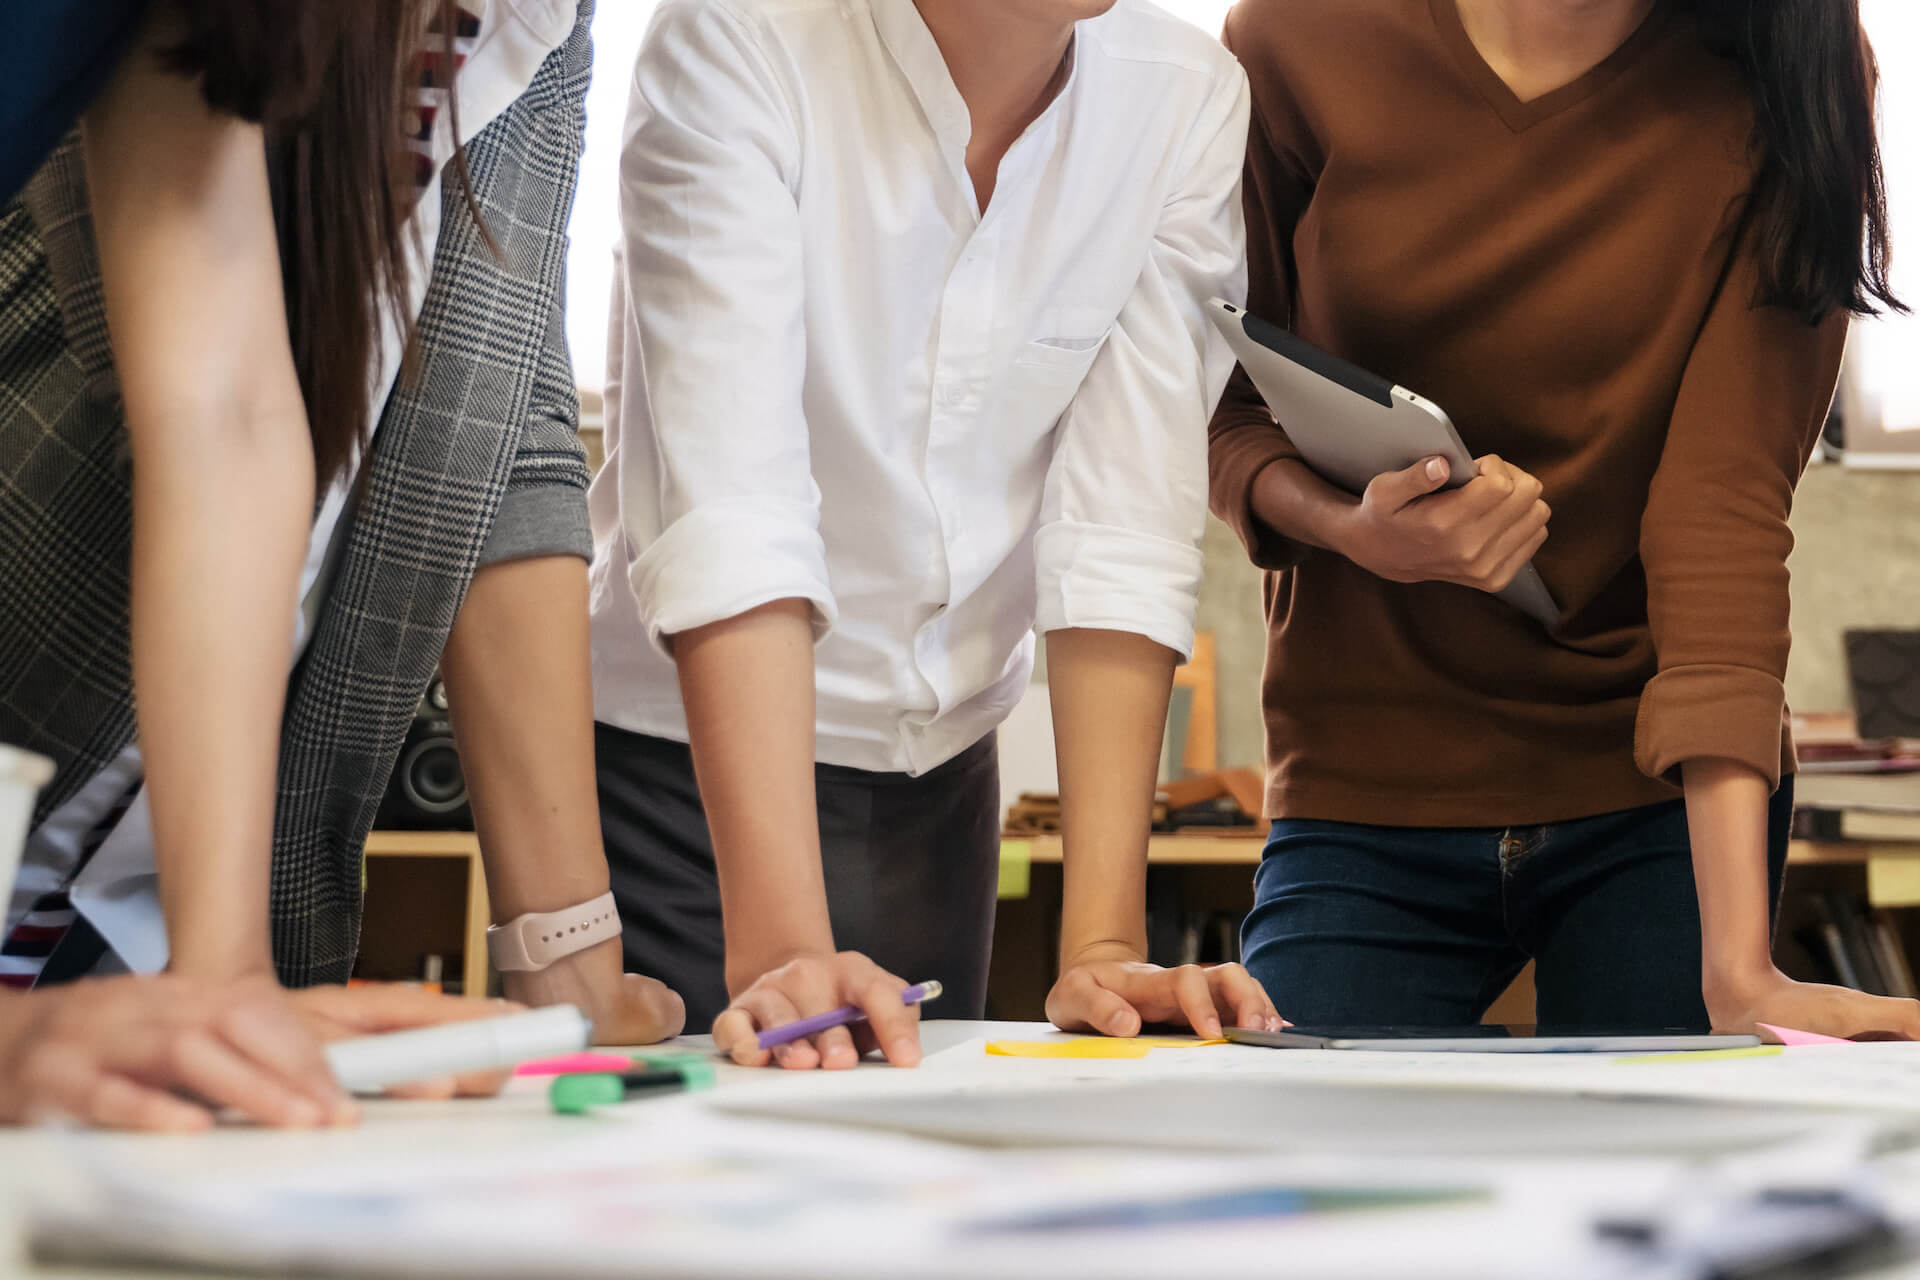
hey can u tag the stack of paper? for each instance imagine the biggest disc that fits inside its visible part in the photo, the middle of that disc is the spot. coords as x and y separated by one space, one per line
669 1191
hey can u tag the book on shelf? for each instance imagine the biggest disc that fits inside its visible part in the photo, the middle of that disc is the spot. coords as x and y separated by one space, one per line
1870 792
1849 913
1858 806
1825 941
1895 970
1869 824
1861 948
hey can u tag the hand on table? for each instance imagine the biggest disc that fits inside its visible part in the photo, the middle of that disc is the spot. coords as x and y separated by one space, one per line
625 1008
814 984
342 1013
163 1053
1479 535
1774 998
1115 992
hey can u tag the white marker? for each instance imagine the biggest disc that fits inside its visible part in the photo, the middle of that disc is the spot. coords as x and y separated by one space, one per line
372 1063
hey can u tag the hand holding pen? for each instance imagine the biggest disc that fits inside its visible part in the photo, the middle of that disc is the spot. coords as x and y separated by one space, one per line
824 1011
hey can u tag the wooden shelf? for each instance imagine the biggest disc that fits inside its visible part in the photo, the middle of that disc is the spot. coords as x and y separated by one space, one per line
476 914
1187 849
1164 850
1893 868
423 844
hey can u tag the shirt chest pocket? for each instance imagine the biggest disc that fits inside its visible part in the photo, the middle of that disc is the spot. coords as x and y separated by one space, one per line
1047 371
1070 337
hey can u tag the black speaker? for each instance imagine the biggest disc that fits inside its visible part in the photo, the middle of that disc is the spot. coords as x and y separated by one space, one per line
427 791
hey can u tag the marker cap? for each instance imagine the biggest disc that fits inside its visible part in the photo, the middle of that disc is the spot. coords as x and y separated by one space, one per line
573 1094
576 1093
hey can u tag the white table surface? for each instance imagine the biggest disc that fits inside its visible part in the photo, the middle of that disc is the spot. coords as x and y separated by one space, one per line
521 1115
389 1126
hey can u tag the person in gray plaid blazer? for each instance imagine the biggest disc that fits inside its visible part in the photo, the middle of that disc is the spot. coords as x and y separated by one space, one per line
463 546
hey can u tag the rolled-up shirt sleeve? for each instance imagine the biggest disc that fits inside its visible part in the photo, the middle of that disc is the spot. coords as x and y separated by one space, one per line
718 495
1118 546
1714 537
544 510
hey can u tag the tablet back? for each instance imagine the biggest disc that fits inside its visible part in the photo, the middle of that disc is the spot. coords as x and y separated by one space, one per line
1351 425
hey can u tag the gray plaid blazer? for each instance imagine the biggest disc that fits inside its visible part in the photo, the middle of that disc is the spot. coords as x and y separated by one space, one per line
471 454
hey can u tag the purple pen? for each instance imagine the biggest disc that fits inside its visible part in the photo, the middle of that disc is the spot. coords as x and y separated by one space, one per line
917 994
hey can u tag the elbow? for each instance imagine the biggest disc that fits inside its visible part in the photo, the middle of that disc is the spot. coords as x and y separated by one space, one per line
258 444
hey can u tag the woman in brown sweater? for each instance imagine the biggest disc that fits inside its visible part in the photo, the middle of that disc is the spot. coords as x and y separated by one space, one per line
1619 241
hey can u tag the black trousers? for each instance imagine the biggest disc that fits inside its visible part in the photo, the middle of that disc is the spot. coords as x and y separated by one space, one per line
912 869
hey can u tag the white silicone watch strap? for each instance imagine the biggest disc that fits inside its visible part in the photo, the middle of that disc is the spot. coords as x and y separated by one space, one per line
534 941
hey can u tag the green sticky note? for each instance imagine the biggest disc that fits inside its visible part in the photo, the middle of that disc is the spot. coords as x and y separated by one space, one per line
1016 868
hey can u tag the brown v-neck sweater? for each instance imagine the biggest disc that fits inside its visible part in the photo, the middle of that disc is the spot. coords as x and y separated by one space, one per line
1568 278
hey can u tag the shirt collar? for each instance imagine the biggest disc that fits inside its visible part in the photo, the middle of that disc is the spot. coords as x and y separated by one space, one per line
918 56
914 51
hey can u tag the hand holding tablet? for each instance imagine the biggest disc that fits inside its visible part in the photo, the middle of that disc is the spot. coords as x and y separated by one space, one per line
1369 437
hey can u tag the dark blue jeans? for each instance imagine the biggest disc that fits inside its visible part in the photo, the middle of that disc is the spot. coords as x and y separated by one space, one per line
1426 927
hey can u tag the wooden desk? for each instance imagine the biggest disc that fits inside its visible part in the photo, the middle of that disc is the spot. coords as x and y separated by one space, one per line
1893 869
391 847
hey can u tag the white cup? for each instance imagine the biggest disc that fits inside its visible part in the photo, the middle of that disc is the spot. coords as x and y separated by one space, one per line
22 774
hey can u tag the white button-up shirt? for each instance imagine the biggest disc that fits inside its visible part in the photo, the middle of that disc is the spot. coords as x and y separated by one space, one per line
833 378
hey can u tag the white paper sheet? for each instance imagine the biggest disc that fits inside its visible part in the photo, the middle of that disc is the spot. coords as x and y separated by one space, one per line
673 1188
1883 1076
681 1191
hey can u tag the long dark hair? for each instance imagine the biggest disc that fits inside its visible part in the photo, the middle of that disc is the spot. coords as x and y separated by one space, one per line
1819 204
329 81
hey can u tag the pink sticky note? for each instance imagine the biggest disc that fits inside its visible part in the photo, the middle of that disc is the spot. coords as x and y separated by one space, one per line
575 1062
1786 1035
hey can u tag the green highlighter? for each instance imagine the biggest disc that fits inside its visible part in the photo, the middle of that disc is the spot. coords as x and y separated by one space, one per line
575 1094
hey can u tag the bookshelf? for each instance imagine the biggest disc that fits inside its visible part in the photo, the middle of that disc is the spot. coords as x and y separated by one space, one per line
426 894
1207 876
1898 862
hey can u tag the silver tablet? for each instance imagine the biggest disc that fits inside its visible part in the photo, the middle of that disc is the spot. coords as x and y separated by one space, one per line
1351 425
1486 1039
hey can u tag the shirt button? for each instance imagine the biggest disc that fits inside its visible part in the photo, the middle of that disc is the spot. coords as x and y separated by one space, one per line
951 395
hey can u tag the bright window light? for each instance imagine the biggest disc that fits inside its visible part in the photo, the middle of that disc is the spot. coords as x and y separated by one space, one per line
1885 376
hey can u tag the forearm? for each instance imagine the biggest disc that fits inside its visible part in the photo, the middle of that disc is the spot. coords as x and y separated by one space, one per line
1297 504
520 695
1109 691
1727 824
223 485
747 683
216 564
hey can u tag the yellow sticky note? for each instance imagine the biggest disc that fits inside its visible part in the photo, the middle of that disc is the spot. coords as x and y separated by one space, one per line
1893 881
1016 868
1091 1047
1702 1055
